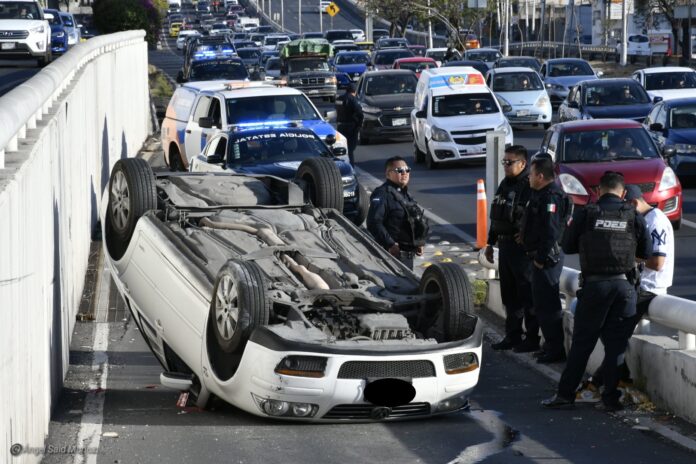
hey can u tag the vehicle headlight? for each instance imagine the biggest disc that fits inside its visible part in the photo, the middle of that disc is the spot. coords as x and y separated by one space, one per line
347 180
340 138
440 135
38 29
542 101
571 185
669 180
331 80
279 408
459 363
59 34
302 366
371 109
268 78
685 148
556 87
504 127
295 81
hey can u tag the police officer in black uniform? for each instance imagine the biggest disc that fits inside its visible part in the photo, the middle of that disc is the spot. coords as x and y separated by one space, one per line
394 219
514 266
609 236
543 224
350 119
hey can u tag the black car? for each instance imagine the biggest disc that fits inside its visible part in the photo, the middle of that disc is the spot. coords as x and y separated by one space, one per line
480 66
250 56
386 42
672 123
384 59
621 98
518 62
278 150
213 66
334 35
387 100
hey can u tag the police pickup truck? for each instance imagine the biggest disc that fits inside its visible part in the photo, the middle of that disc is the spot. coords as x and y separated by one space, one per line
305 66
197 110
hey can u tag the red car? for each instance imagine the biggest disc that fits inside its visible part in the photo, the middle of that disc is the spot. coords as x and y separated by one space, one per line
415 64
584 150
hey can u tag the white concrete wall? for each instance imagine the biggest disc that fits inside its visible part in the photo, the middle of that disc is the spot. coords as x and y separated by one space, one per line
97 112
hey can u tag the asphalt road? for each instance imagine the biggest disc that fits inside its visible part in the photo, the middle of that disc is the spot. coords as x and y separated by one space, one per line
13 73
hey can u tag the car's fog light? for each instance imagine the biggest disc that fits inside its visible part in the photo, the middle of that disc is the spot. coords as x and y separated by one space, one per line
301 409
275 407
459 363
453 404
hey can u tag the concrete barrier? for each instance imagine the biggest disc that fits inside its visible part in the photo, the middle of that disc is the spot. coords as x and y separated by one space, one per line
60 134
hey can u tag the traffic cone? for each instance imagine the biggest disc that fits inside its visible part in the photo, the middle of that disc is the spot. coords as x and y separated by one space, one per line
481 215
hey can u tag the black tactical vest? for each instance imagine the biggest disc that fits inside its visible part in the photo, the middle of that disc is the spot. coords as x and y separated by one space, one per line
608 245
507 208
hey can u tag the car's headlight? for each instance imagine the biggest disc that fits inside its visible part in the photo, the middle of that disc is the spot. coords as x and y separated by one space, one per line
669 180
347 180
38 29
571 185
59 34
504 127
268 78
278 408
295 81
340 138
556 87
371 109
331 80
542 101
685 148
440 135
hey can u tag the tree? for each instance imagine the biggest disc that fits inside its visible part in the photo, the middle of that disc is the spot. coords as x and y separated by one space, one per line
399 13
124 15
647 8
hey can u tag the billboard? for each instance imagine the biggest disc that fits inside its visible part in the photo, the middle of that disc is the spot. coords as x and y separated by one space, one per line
616 7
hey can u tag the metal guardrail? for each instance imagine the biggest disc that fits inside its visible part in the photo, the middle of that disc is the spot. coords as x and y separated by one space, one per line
27 103
670 311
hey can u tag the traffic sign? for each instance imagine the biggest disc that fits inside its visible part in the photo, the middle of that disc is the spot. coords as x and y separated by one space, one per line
332 9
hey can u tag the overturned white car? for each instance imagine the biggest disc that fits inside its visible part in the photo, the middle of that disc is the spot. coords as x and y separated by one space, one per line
257 290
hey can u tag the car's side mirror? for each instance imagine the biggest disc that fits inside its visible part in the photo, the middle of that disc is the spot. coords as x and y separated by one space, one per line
668 151
573 104
506 108
330 139
339 151
180 77
421 114
600 73
330 116
657 100
656 127
205 123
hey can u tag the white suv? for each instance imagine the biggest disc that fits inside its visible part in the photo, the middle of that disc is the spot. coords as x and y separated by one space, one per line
24 30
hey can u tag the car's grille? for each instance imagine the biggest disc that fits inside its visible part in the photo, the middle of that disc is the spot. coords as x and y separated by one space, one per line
312 80
386 369
470 140
14 34
471 132
531 117
365 411
670 205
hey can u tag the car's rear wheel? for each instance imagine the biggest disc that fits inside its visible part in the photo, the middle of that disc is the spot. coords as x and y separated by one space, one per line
132 193
46 59
362 140
448 313
175 163
322 182
238 306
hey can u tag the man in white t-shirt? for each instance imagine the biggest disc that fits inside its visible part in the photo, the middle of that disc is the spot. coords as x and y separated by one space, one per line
656 278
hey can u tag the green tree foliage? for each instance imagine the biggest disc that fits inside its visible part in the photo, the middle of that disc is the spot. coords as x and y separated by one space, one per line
124 15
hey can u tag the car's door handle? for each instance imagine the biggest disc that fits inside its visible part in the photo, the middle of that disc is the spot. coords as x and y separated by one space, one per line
188 131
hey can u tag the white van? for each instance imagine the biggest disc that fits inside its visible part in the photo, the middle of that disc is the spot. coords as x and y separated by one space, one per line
453 111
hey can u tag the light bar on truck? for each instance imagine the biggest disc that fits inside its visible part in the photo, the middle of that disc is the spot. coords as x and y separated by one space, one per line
456 80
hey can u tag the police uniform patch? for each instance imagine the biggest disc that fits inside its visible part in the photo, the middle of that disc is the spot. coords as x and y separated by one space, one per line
551 207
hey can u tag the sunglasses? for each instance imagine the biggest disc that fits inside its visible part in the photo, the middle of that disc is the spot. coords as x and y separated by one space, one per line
401 170
509 162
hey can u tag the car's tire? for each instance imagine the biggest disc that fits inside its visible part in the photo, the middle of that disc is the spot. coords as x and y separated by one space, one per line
237 307
132 193
362 206
632 59
449 316
418 155
362 140
676 225
322 182
546 125
175 162
430 162
46 59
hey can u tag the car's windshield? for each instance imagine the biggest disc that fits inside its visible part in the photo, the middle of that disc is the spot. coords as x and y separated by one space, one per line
248 54
275 40
390 56
338 35
464 104
615 95
417 51
570 68
307 64
517 82
387 84
417 66
270 108
519 63
19 10
607 145
352 58
683 117
436 55
214 70
277 146
67 20
671 80
482 55
273 64
385 43
219 26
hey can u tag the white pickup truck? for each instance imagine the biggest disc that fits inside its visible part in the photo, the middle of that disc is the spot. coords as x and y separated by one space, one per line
246 24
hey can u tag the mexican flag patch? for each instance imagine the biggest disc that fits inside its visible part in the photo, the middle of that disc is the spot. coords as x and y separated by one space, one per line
551 207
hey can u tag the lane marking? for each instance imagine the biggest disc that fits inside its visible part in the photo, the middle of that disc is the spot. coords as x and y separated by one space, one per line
688 223
371 182
89 435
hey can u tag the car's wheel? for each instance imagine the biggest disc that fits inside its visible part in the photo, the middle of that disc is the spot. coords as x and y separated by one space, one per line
46 59
547 125
448 313
362 140
632 59
322 182
429 160
132 193
676 225
238 306
418 155
175 163
362 206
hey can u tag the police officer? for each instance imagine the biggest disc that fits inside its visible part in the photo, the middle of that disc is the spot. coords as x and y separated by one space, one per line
394 219
543 224
350 119
514 266
609 236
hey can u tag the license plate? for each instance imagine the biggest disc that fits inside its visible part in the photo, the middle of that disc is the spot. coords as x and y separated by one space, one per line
313 92
399 122
348 194
523 113
8 45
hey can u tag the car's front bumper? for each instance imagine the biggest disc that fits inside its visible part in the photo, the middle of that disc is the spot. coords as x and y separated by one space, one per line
387 125
337 396
317 91
530 114
32 46
669 201
684 165
444 152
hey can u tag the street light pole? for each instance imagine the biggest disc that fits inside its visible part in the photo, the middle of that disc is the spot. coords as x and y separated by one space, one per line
299 17
282 15
624 33
506 24
321 18
430 28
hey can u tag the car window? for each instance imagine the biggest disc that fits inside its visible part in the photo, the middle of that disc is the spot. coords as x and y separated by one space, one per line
661 117
683 117
180 104
464 104
19 10
214 113
545 141
352 58
636 76
390 84
482 55
670 80
307 64
615 94
67 19
517 82
214 70
607 145
553 144
273 64
270 108
201 109
390 56
417 66
262 147
652 116
210 148
570 68
543 70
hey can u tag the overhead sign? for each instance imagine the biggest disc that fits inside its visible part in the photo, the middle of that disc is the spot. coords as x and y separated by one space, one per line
332 9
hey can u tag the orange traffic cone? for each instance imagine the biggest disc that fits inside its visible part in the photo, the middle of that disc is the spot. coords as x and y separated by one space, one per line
481 215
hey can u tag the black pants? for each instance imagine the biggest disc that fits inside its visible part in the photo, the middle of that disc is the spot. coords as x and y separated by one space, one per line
515 270
406 257
605 310
350 131
547 305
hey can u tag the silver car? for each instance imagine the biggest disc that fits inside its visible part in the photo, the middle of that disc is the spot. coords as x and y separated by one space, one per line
523 90
561 74
71 28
